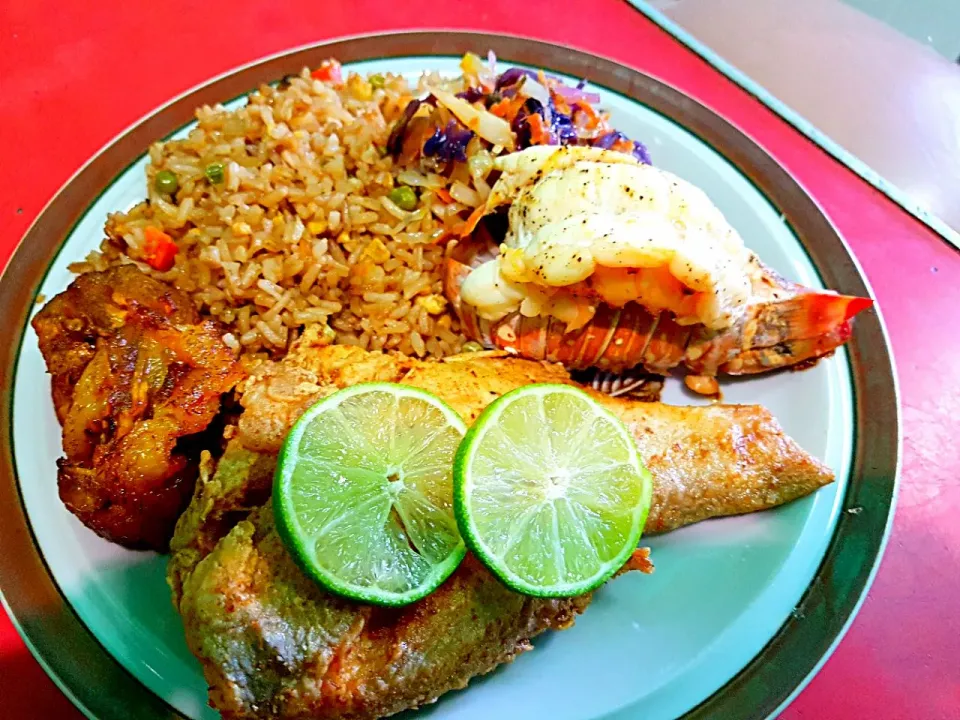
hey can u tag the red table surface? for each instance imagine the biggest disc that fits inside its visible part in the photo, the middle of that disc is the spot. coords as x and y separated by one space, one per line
71 79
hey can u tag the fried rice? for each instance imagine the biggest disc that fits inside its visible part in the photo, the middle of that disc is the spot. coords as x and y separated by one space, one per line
301 231
329 203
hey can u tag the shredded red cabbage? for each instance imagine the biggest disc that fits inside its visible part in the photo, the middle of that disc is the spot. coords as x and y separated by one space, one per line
395 141
512 76
641 153
520 126
449 143
560 132
610 139
561 125
570 93
471 95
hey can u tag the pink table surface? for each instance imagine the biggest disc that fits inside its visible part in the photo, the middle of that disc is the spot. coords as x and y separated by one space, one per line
71 79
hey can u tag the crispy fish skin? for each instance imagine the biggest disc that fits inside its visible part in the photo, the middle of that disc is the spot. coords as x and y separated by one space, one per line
706 461
274 645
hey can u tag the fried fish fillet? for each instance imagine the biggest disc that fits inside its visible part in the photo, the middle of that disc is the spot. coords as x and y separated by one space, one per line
274 645
137 376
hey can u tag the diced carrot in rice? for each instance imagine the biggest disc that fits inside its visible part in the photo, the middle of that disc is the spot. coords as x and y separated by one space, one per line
300 233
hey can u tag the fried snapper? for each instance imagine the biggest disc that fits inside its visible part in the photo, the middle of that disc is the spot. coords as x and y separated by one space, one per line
137 379
274 645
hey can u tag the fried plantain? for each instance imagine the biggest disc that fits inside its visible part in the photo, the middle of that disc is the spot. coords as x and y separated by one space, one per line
137 379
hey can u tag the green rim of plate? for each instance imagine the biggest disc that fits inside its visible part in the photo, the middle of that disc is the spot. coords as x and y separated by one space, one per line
82 667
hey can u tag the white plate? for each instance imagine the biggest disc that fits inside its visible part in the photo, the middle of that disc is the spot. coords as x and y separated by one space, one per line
657 646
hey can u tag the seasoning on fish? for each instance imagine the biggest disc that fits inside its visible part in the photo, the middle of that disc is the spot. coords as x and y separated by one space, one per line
247 606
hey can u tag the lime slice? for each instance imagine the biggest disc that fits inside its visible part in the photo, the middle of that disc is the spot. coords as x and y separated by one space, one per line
363 496
549 491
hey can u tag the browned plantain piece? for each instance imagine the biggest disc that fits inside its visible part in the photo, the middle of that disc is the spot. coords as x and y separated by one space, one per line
137 377
274 645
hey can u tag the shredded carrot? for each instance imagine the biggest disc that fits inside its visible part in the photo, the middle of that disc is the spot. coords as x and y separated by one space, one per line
472 221
622 146
159 249
443 195
508 107
500 108
560 102
593 120
539 133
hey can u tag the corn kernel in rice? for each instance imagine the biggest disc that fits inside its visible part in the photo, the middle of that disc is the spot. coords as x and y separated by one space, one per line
433 304
302 163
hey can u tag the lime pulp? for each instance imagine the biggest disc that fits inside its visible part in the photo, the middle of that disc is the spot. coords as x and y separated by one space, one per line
549 491
363 497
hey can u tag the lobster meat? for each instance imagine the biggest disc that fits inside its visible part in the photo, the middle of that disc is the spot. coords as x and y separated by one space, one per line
610 263
783 325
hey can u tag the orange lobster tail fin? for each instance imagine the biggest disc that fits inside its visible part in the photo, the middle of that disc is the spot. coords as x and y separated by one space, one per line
824 312
789 352
795 330
805 316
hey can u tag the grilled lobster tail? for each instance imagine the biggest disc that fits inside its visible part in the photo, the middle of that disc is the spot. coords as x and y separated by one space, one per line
784 325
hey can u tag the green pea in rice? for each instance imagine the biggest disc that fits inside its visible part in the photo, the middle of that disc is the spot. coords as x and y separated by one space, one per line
283 220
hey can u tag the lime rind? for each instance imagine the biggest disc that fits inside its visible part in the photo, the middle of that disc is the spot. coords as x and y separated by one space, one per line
348 526
533 543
